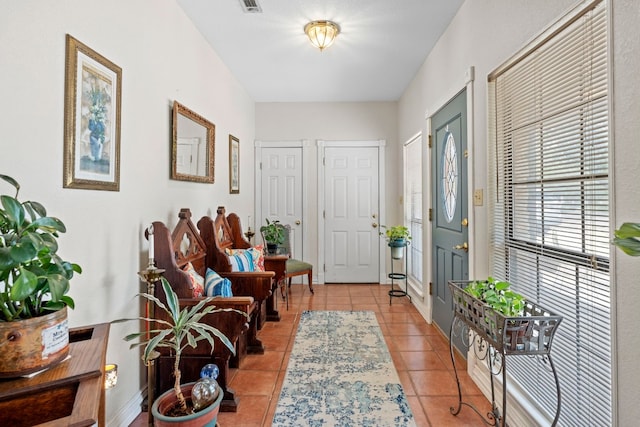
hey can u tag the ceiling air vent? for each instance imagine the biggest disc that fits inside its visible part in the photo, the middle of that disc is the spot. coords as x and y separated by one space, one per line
250 6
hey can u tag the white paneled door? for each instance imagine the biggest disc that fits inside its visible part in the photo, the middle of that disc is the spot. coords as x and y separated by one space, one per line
281 186
351 212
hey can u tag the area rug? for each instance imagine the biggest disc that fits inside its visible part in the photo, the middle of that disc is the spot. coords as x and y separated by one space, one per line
340 373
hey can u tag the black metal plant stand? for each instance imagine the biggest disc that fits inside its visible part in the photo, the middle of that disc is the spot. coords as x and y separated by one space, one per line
493 337
399 276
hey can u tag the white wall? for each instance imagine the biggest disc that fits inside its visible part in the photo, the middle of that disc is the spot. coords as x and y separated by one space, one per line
486 33
342 121
163 58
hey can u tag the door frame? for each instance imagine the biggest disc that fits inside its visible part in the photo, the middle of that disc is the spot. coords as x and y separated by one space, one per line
258 146
427 272
380 144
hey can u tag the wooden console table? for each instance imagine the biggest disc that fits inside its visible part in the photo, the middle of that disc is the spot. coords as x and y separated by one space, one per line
70 393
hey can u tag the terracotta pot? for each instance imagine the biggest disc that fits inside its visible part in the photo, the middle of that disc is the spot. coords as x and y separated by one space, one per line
205 418
30 345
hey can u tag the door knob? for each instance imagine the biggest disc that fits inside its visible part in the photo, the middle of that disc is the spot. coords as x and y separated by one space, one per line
298 222
374 225
464 247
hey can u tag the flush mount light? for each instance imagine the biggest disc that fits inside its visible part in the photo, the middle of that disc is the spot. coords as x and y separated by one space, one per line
322 33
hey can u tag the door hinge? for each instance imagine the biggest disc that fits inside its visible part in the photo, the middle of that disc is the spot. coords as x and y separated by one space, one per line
466 154
429 141
430 288
324 267
430 214
260 165
323 161
324 215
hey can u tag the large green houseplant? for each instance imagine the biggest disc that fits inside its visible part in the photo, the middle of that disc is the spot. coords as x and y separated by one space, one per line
183 328
34 281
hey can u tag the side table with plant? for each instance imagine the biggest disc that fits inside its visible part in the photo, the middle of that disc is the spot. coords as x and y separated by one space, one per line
34 282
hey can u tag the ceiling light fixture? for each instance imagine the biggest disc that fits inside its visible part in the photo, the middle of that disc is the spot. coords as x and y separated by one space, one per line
322 33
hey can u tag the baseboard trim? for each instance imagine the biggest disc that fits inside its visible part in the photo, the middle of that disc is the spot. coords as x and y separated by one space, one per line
129 413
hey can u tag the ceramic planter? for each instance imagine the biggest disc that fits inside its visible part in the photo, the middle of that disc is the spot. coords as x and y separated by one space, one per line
205 418
397 248
31 345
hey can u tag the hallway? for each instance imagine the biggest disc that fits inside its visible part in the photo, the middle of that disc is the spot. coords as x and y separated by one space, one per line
419 351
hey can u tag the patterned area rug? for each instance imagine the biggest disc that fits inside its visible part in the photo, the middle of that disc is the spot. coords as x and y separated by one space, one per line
340 373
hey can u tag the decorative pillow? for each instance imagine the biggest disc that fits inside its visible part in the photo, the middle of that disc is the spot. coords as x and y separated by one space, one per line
197 281
216 285
256 253
241 260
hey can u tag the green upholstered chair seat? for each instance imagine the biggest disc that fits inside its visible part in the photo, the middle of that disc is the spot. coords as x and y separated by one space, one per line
296 266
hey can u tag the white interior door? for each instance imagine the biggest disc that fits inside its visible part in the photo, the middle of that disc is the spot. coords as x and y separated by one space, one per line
187 156
281 190
351 213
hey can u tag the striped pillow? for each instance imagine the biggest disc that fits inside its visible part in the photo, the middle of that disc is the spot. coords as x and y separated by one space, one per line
256 253
241 261
216 285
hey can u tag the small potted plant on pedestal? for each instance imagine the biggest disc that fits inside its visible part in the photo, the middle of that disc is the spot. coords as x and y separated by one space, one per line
397 237
183 328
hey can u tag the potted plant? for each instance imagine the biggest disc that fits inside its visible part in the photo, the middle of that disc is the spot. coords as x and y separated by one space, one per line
34 282
627 238
182 329
397 237
273 234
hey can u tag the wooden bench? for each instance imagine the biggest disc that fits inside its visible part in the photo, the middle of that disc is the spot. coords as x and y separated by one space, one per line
173 252
223 233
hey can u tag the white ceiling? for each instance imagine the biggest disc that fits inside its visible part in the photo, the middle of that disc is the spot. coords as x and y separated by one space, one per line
379 50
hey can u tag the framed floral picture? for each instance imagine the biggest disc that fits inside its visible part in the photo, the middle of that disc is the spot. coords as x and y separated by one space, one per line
234 165
93 87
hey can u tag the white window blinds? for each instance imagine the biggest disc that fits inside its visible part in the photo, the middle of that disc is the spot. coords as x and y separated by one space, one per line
413 207
550 203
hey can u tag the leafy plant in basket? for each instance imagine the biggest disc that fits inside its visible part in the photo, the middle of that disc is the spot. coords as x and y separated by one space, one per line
34 280
396 233
183 329
498 295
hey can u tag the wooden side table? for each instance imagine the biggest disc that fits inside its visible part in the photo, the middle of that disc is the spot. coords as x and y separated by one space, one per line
70 393
277 264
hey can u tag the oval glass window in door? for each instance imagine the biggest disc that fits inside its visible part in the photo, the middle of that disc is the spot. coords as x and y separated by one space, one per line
449 177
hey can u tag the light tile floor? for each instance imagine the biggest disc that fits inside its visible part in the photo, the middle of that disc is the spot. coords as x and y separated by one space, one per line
419 350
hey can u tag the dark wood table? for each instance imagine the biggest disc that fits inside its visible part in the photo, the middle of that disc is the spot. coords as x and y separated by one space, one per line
70 393
278 264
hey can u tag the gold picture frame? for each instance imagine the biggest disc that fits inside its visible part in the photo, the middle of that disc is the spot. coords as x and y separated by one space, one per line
193 146
234 165
93 88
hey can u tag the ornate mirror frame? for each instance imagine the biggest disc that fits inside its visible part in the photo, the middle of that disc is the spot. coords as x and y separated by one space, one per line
193 138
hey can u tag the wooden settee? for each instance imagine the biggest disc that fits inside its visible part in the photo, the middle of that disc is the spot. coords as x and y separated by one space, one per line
223 233
173 252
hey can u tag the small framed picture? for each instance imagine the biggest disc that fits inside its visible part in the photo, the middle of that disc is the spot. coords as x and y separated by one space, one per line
93 87
234 165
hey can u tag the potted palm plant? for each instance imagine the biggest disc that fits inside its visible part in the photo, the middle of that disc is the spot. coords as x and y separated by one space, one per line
397 237
273 234
34 282
183 328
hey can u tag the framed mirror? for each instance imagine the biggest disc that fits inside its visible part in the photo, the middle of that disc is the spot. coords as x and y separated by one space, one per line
193 147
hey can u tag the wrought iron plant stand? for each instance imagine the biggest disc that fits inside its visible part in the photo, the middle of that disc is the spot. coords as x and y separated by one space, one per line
494 336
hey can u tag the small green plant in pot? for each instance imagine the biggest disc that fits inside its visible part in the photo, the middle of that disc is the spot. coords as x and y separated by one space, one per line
183 328
34 282
397 237
273 234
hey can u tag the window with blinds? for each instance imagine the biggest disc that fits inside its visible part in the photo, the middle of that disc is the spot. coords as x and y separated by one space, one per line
549 198
413 208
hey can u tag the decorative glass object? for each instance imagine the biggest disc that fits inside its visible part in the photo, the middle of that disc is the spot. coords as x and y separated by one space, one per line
206 389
